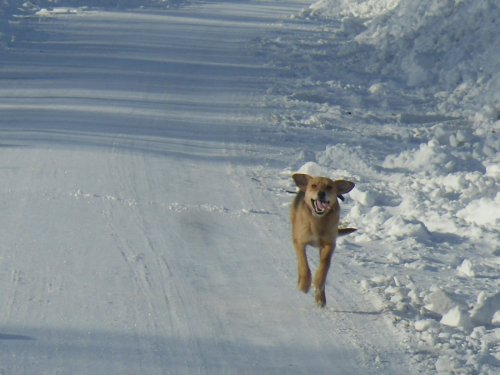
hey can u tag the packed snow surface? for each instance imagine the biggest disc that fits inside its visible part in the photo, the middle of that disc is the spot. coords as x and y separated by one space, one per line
146 154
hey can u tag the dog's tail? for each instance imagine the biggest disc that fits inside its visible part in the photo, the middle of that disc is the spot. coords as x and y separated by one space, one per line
346 231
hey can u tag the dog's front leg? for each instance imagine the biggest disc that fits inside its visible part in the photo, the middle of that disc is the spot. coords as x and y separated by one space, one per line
304 281
325 257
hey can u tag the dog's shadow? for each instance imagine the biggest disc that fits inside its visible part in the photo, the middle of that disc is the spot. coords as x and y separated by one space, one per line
373 313
8 337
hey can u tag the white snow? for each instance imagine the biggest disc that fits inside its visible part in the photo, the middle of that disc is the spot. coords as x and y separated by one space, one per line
456 317
424 325
483 211
146 153
485 309
363 9
407 95
55 11
466 269
440 302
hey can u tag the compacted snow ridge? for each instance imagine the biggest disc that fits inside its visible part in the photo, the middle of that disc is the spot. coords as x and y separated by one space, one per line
146 154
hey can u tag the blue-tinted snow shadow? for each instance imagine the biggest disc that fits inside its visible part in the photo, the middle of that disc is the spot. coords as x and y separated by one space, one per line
135 81
358 312
9 337
102 352
170 143
18 145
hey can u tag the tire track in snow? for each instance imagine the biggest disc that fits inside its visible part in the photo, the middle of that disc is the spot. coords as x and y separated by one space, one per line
172 206
137 258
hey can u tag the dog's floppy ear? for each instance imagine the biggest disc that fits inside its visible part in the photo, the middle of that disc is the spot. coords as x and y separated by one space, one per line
343 186
301 180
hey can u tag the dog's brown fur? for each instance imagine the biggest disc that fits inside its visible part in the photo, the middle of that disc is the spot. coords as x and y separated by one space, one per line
315 216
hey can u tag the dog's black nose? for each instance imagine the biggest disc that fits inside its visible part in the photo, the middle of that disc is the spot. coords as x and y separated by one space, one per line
321 196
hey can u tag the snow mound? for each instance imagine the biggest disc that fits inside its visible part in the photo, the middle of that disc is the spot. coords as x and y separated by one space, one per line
482 211
55 11
430 43
442 302
456 317
466 269
312 169
485 309
352 8
399 227
428 157
403 97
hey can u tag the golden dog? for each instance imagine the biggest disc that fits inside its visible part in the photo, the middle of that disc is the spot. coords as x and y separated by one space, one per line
315 216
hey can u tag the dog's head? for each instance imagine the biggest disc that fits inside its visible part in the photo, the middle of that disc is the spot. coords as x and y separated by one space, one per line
321 192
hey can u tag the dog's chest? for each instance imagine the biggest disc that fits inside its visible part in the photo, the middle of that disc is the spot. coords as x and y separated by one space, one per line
314 241
318 234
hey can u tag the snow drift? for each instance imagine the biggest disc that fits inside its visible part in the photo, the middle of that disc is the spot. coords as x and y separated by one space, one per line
404 96
436 45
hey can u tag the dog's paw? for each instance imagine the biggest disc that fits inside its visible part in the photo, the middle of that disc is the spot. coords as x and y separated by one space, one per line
320 297
304 283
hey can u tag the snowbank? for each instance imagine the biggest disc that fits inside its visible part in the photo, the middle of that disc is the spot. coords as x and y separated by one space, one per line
404 98
445 45
363 9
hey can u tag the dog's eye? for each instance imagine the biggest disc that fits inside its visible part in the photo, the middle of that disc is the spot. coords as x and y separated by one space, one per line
329 188
314 186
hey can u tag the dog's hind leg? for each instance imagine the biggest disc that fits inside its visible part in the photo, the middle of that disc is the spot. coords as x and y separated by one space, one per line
304 280
325 257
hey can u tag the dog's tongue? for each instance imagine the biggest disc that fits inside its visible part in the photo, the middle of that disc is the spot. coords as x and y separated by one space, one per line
323 205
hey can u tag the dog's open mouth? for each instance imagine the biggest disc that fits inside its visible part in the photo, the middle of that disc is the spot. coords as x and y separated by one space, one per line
320 207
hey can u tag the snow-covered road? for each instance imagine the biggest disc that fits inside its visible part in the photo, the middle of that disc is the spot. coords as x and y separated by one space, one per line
137 235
